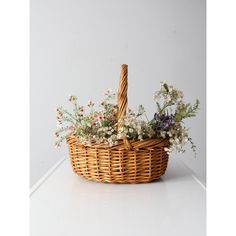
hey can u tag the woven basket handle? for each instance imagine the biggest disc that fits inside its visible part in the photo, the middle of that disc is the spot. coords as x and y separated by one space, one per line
122 99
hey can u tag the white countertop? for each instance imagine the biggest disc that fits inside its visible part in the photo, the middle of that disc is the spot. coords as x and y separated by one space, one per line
68 205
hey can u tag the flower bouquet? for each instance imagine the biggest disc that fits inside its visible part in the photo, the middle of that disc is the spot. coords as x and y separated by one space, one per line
112 143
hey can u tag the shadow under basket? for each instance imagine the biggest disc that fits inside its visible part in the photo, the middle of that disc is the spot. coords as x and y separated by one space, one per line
130 161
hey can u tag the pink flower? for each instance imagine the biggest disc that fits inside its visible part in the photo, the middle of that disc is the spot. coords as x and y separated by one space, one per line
108 92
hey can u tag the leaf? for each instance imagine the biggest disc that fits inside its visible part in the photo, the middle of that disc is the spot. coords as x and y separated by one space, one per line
178 117
183 114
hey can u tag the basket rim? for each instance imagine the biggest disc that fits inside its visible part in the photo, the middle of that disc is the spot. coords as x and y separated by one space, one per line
135 143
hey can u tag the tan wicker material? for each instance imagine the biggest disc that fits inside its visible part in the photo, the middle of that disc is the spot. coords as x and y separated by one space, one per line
130 161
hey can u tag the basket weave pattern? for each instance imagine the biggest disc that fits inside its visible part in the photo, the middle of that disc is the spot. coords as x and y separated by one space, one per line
130 161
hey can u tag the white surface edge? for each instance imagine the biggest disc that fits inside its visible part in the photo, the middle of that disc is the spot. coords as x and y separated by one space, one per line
199 181
45 177
194 176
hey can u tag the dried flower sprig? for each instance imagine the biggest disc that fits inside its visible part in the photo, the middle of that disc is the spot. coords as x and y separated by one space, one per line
168 120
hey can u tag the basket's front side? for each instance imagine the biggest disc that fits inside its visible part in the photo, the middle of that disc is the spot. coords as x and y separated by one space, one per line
116 164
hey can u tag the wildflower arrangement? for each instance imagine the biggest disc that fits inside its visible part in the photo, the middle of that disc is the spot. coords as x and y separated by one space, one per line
99 124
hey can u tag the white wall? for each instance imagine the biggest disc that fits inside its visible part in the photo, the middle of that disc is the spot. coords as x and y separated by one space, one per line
77 47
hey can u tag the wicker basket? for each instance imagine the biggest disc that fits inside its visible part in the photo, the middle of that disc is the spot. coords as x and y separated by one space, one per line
131 161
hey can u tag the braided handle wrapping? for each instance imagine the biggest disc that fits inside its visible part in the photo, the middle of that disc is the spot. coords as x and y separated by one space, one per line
122 100
122 93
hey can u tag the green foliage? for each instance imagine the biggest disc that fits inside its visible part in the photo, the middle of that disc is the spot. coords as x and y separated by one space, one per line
184 111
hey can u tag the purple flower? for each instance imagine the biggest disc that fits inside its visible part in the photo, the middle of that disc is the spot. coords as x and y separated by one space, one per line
162 121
